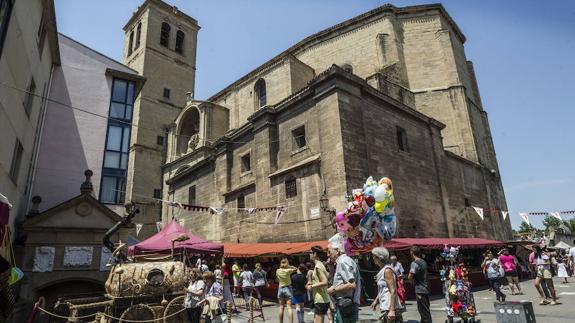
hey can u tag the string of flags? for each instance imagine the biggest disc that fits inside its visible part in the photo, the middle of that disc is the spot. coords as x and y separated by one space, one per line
524 215
280 210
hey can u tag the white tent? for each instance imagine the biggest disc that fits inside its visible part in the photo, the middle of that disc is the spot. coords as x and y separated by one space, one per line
562 245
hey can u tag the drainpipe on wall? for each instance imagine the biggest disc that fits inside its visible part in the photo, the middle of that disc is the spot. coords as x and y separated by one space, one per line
38 141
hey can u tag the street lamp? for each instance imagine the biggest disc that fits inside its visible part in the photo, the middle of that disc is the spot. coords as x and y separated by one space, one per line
324 205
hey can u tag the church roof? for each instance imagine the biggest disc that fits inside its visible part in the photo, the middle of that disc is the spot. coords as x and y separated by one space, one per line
350 23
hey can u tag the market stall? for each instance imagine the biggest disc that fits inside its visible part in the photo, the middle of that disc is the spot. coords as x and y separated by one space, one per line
175 238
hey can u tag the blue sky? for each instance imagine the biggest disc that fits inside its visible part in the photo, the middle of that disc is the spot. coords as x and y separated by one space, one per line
523 53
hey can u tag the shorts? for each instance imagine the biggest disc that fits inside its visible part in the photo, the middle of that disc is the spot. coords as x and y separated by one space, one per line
285 292
544 273
320 308
384 319
511 273
298 299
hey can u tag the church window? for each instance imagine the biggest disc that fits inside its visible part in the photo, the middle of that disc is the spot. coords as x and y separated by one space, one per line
246 163
180 41
5 13
299 139
402 139
241 202
291 187
260 90
192 195
138 34
160 140
165 34
130 43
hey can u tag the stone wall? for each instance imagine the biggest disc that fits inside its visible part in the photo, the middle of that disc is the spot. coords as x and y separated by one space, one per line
351 133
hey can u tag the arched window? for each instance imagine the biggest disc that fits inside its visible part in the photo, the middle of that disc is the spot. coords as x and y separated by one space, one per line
188 130
138 33
165 34
130 43
260 91
180 41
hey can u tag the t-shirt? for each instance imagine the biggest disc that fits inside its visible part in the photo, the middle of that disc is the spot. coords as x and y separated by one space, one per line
508 263
260 278
543 262
298 282
284 276
194 287
346 270
247 279
493 268
236 271
319 293
419 271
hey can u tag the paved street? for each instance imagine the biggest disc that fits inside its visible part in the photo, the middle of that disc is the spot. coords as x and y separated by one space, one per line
484 301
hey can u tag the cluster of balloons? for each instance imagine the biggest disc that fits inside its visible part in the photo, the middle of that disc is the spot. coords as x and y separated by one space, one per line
370 214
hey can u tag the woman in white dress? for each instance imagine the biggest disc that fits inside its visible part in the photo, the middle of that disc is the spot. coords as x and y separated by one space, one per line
562 269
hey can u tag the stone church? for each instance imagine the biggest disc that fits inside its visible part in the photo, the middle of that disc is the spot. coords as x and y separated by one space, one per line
387 93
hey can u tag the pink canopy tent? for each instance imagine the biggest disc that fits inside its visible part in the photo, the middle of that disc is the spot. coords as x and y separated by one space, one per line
161 242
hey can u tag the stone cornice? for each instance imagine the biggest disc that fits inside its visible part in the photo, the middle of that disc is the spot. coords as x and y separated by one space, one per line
346 26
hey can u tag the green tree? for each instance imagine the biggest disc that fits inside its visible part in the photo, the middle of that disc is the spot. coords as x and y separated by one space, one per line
551 222
526 228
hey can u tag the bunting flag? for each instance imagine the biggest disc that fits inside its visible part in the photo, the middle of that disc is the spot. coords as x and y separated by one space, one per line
252 210
525 217
556 215
138 228
159 226
280 211
479 211
217 210
505 213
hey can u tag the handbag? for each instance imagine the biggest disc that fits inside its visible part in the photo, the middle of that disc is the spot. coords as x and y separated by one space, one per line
346 306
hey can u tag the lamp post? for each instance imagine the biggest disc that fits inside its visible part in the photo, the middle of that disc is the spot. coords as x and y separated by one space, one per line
330 213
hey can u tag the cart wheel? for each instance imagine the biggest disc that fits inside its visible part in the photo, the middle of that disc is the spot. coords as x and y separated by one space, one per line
139 312
175 305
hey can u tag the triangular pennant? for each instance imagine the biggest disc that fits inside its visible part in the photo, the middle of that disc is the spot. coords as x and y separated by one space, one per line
505 213
217 210
159 226
138 228
479 211
556 215
525 217
280 210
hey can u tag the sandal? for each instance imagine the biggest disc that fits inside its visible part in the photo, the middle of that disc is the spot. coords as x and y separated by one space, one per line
544 302
555 303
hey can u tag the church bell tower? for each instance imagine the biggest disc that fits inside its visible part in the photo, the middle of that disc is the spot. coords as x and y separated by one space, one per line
160 44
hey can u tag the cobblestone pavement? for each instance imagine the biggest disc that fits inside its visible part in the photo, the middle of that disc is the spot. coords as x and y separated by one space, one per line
484 300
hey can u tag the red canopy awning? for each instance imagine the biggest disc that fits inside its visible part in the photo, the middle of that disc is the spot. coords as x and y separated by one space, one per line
244 250
161 242
435 243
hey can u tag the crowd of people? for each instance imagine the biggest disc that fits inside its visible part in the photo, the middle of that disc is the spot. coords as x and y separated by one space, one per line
330 283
